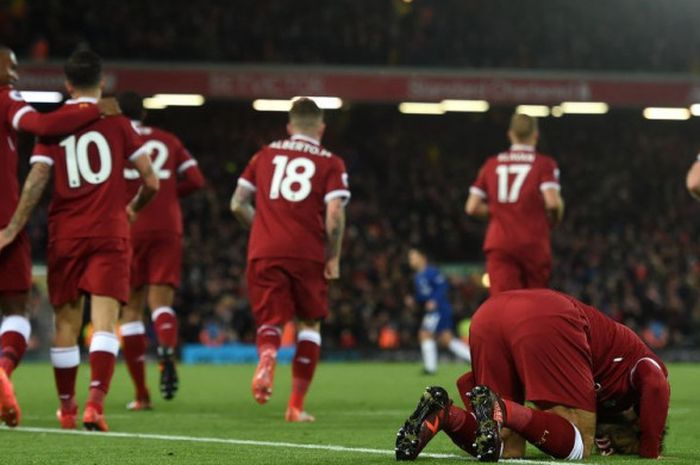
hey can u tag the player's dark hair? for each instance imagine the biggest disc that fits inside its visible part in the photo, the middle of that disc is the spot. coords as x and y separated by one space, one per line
131 104
305 113
523 126
84 69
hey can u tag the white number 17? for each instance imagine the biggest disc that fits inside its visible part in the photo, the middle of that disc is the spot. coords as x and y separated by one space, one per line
509 193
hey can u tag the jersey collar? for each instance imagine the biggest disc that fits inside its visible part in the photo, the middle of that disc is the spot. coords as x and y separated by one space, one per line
82 100
522 148
306 139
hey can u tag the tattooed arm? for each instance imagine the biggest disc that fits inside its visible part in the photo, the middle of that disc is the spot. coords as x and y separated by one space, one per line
32 191
335 229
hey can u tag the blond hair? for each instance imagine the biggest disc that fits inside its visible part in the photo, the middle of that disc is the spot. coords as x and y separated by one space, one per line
523 127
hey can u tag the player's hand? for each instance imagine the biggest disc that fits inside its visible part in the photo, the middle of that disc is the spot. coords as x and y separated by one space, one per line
109 106
332 270
6 238
430 306
131 214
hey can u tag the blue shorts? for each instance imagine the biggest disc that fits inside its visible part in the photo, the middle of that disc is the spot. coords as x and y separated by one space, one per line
437 321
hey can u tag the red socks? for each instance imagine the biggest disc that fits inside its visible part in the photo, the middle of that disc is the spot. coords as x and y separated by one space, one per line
65 361
304 365
268 338
552 434
461 428
14 334
103 355
165 322
134 351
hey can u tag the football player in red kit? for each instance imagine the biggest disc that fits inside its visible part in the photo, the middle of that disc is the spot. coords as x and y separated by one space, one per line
518 192
568 359
156 263
88 250
298 222
15 260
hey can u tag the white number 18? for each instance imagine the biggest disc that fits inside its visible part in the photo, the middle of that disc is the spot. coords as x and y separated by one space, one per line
292 179
510 193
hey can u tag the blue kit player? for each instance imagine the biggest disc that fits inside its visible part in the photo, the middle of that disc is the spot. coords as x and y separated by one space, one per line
432 291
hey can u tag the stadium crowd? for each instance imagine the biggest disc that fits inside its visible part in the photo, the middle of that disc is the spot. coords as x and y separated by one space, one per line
649 35
628 245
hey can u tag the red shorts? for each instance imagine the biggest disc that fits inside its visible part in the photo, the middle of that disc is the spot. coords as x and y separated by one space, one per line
532 345
93 265
156 259
283 288
517 271
16 266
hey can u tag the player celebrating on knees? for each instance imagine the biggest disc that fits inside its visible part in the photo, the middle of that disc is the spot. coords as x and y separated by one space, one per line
432 290
568 359
156 263
15 260
518 191
88 251
289 262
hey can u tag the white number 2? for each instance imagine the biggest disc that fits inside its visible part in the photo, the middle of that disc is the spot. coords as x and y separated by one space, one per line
292 179
510 193
161 157
78 162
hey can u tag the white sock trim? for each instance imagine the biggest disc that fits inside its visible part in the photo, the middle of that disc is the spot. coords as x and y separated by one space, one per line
133 328
273 328
102 341
577 451
17 324
429 351
160 311
65 357
309 335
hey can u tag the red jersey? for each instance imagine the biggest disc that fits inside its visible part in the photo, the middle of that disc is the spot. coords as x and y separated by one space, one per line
512 182
292 179
170 159
16 115
89 185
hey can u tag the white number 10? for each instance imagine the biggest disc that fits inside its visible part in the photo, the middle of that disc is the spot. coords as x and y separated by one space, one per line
292 179
78 163
506 193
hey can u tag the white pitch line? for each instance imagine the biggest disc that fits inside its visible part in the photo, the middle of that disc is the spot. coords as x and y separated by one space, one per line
248 442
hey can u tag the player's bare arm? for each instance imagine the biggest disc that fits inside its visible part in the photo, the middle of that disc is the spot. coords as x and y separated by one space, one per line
692 180
109 106
34 187
477 206
554 204
242 206
335 229
148 189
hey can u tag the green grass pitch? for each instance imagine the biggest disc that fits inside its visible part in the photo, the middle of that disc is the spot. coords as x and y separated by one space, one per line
357 405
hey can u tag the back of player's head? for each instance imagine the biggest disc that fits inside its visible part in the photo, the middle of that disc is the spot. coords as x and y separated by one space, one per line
131 104
523 127
84 69
305 114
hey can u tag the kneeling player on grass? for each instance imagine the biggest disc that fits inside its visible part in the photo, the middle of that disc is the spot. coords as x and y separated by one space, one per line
156 262
300 193
432 289
568 359
88 251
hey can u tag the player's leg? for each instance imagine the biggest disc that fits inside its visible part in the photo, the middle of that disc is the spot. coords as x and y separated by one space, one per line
134 345
104 348
447 339
504 272
310 293
537 270
428 346
14 335
269 291
160 301
65 358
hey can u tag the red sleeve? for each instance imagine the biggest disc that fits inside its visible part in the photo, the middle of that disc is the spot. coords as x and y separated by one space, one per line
133 142
549 175
190 177
337 183
247 179
654 397
42 153
62 121
480 186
